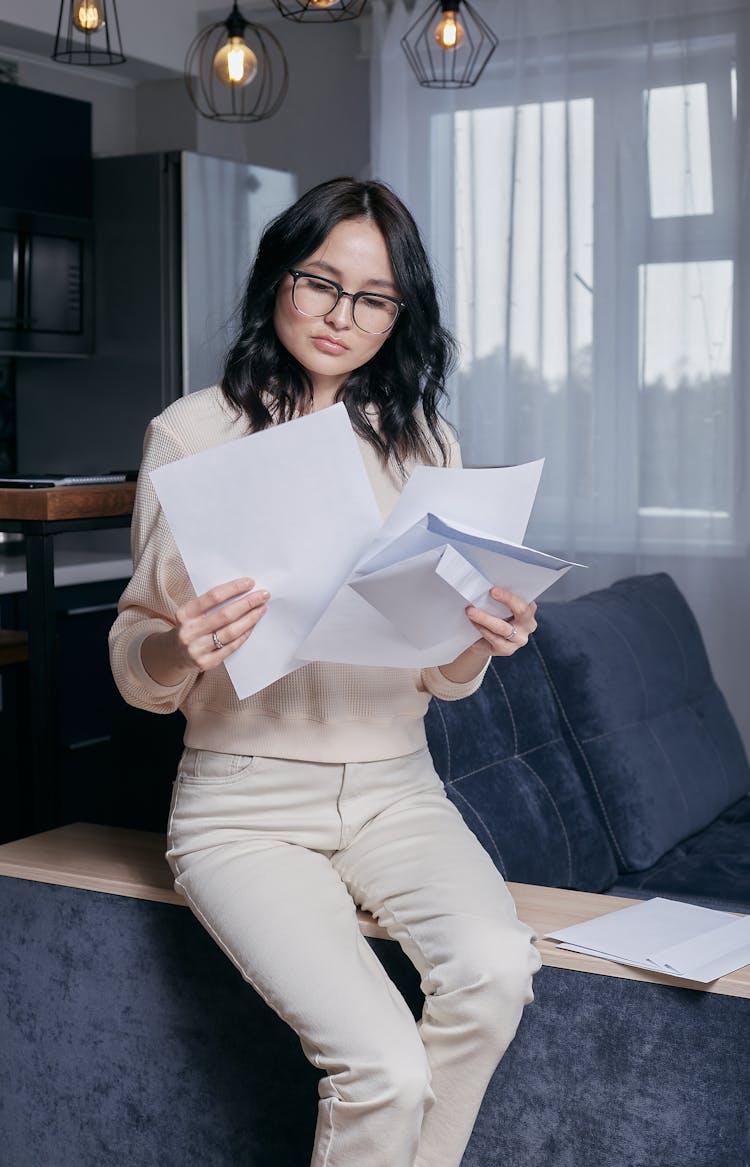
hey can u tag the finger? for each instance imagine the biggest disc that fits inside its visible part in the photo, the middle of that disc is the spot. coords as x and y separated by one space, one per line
493 626
213 652
231 611
501 643
215 596
520 608
229 632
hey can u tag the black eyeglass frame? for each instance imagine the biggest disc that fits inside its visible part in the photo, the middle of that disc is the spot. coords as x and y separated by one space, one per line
295 273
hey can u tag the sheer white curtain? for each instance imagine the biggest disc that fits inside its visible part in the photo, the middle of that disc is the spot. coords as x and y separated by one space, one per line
583 206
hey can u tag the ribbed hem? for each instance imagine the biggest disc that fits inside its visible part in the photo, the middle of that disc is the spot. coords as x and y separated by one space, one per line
313 741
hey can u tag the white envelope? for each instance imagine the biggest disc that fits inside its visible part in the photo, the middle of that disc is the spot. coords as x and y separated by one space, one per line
423 580
668 936
424 596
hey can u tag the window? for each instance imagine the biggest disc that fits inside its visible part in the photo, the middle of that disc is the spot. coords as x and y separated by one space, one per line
589 231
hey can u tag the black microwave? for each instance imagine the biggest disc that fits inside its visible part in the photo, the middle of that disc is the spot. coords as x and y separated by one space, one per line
46 275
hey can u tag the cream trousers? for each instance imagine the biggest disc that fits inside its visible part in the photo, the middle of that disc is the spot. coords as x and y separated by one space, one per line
272 856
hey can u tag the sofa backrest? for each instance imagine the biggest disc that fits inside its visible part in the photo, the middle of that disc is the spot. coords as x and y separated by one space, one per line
509 770
655 742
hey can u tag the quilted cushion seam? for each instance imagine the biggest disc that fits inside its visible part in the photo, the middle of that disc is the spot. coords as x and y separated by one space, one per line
509 758
487 830
566 719
560 817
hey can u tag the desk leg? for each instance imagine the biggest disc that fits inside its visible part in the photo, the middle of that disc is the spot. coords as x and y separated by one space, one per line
43 722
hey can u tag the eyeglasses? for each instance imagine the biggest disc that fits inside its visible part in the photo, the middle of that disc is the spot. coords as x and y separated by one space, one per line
317 296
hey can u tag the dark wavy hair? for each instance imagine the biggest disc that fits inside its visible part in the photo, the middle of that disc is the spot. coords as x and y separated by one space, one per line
409 370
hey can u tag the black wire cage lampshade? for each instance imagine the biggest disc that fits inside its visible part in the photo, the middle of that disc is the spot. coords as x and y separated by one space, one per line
320 10
88 33
236 71
449 45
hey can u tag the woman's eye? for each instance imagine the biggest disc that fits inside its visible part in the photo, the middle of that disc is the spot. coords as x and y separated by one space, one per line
315 286
378 303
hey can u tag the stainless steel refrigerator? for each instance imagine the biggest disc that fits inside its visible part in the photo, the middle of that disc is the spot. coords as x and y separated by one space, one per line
174 235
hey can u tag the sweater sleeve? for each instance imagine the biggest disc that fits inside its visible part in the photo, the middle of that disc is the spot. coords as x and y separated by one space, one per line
158 587
433 680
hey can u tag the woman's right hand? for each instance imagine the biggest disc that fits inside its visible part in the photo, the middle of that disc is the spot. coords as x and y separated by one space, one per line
207 630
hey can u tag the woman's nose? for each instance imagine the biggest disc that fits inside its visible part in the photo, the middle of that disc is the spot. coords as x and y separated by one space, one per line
341 315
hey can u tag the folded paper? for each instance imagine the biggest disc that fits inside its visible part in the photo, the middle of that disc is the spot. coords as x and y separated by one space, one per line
292 507
681 940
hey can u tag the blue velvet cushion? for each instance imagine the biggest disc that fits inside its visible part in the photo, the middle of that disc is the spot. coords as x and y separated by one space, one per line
712 866
655 740
506 766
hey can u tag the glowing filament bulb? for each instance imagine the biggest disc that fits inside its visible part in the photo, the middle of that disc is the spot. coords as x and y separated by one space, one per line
87 17
321 3
235 64
449 33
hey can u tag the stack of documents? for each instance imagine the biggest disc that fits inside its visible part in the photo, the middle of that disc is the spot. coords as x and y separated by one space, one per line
292 507
682 940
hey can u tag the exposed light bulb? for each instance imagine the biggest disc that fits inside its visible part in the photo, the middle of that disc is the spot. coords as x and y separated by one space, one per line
88 16
321 3
449 33
235 64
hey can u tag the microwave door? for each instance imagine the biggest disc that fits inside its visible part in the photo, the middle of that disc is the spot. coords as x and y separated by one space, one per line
53 284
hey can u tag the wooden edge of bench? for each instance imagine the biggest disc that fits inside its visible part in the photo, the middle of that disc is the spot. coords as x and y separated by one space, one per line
119 861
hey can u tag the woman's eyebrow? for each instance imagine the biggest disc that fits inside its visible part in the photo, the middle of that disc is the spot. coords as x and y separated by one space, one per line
334 271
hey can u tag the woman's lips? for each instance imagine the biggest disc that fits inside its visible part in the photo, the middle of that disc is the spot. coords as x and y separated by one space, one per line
327 344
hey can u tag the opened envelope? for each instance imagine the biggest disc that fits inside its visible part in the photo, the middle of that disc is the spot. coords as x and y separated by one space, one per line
423 580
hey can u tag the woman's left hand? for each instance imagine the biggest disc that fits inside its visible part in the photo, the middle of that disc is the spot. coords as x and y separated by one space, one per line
503 637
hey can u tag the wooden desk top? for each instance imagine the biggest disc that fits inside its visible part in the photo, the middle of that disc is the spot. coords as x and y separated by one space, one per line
131 863
103 500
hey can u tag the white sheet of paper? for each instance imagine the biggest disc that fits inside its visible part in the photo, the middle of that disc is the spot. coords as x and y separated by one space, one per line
497 499
293 508
685 940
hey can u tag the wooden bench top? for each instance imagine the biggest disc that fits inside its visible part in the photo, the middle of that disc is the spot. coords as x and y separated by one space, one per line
131 863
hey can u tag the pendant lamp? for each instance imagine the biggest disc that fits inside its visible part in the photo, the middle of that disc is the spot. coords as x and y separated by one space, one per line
88 33
320 10
236 71
449 45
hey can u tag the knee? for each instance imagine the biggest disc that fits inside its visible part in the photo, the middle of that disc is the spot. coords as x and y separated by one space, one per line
401 1079
396 1077
489 981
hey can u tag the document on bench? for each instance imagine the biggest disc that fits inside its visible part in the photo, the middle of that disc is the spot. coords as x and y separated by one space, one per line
292 507
683 940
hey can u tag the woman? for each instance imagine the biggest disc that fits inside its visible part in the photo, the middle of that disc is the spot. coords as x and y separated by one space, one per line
318 793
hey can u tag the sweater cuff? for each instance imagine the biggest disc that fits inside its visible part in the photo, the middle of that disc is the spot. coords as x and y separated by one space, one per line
439 686
137 670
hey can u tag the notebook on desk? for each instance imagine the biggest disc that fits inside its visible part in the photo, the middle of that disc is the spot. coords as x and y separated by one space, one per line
45 481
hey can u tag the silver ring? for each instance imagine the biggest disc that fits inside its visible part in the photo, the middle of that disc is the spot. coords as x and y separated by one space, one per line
512 632
217 642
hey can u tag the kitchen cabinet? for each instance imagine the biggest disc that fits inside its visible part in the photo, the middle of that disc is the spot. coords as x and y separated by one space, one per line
116 763
45 146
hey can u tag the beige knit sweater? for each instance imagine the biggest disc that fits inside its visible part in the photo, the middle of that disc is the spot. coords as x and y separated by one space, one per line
321 712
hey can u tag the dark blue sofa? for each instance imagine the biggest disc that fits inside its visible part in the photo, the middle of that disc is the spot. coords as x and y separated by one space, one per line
605 757
602 758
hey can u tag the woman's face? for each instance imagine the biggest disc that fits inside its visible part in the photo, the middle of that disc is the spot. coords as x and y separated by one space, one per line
329 347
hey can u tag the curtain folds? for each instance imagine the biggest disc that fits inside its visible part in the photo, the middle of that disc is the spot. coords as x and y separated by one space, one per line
583 206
